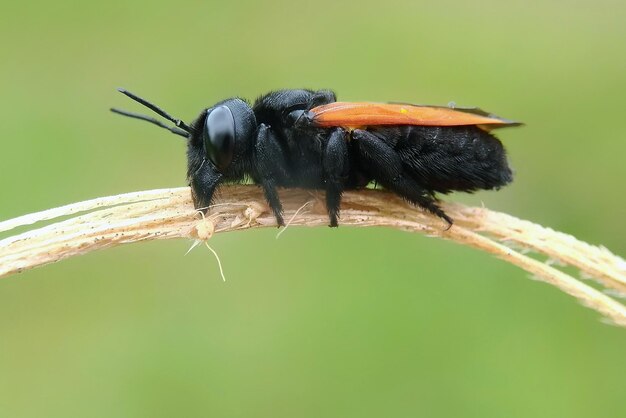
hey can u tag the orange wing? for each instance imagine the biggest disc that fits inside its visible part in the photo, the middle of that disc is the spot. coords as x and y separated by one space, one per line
360 114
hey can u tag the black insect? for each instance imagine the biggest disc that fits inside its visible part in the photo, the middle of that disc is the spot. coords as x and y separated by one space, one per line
305 138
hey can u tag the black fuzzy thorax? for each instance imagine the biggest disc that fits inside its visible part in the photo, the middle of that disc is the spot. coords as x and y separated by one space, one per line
302 147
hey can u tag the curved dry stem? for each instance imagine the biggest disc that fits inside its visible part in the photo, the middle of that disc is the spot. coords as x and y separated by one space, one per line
169 213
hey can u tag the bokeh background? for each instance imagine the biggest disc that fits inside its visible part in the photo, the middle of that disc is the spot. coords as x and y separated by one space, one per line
320 323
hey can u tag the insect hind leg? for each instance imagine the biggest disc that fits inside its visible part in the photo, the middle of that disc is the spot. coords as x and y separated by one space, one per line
385 166
414 193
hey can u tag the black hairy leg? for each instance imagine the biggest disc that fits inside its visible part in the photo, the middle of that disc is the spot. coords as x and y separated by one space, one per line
203 183
416 194
271 168
336 164
384 164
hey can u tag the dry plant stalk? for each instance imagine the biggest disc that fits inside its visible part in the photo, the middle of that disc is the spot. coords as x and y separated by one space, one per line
168 213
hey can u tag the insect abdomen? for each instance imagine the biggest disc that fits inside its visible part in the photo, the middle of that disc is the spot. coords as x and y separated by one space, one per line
443 159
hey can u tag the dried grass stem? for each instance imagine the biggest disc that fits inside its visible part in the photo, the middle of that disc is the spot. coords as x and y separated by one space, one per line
168 213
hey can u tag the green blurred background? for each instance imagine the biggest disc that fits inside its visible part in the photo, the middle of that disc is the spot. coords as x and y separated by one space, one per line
320 323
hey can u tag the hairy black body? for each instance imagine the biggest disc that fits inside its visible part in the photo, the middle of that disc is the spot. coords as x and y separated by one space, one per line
276 143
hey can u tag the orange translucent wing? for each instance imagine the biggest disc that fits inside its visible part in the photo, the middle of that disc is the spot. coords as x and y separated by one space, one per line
360 114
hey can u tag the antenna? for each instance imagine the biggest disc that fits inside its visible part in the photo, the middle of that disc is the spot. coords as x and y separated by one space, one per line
181 128
154 121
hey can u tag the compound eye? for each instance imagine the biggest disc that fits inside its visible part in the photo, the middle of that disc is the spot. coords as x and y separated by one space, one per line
219 136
